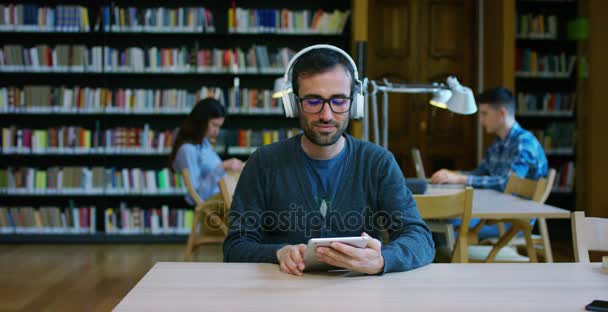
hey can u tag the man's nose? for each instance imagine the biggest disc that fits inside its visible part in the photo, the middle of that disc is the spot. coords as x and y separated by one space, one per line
326 114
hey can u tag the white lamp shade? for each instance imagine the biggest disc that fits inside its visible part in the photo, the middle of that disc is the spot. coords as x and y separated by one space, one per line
440 98
462 100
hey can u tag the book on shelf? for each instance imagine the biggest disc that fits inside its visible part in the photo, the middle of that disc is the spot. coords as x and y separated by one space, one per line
285 21
530 63
246 141
564 178
48 220
34 17
557 138
538 26
49 99
78 140
155 20
545 103
168 60
90 181
252 101
136 220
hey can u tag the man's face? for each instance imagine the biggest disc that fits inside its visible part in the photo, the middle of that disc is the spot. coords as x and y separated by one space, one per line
326 127
491 118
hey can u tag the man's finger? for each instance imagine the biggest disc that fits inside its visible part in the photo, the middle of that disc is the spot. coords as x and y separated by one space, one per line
346 249
293 268
336 258
372 243
296 257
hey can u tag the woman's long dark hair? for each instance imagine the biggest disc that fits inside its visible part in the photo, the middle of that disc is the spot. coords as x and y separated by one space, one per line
194 127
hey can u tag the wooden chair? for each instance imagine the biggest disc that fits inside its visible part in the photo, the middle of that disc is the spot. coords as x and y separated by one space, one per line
227 187
536 190
458 205
205 212
588 234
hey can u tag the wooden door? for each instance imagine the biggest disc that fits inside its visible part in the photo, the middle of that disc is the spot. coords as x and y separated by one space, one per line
422 41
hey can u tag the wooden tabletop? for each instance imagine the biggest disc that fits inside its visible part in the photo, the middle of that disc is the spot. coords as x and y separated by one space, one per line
437 287
490 204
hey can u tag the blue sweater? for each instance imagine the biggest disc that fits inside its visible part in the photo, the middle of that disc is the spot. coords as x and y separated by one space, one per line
273 206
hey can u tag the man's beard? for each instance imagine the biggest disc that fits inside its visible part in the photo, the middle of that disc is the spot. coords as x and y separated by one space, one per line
323 139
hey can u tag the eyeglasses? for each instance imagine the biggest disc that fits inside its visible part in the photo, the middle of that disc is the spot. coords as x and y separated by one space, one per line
314 105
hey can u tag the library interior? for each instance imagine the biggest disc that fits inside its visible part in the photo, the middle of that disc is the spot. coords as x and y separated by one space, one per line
415 154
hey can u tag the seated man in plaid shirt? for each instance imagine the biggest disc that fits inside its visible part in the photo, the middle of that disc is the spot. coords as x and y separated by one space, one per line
515 150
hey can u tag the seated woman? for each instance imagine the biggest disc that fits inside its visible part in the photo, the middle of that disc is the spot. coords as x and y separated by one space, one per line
192 149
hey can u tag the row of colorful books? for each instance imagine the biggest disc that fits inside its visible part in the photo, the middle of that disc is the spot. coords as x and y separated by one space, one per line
245 141
539 26
48 220
70 140
79 140
253 101
530 63
160 19
33 17
545 102
557 136
241 20
137 220
83 220
89 181
80 58
48 99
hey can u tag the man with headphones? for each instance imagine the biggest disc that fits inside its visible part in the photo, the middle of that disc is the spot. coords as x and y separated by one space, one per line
325 183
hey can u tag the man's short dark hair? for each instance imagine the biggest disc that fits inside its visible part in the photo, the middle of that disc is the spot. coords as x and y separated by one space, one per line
318 61
498 97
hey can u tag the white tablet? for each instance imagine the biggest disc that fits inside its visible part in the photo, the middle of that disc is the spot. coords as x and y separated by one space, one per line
310 255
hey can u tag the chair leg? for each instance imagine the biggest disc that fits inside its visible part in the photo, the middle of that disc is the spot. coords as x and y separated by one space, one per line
192 237
502 242
544 233
527 230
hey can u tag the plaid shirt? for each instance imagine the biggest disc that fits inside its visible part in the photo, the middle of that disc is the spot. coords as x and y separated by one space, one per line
519 153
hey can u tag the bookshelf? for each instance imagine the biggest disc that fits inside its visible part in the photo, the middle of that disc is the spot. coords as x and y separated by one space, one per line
91 93
546 79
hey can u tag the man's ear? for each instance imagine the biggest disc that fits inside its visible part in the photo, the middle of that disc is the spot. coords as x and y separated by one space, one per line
504 112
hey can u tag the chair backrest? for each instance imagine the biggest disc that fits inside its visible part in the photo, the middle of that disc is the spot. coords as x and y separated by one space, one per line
536 190
186 176
588 234
457 205
227 187
418 163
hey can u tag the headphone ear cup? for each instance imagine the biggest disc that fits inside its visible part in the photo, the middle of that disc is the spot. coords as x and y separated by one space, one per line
288 102
359 106
357 109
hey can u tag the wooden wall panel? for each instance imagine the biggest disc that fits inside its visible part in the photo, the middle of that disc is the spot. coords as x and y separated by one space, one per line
423 41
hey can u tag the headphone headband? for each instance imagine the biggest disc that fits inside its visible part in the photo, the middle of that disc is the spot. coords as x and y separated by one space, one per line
291 109
314 47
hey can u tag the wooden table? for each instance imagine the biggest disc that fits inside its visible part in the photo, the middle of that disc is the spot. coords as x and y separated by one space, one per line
491 204
437 287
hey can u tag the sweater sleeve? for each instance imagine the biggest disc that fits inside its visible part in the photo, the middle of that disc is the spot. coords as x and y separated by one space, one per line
411 243
243 242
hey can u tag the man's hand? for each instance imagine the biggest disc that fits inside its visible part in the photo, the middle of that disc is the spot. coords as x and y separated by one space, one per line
366 260
291 259
450 177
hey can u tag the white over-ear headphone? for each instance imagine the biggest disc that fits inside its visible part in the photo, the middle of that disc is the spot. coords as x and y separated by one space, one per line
289 102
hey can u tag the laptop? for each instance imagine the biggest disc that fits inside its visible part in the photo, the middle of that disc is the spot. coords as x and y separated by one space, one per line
421 175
